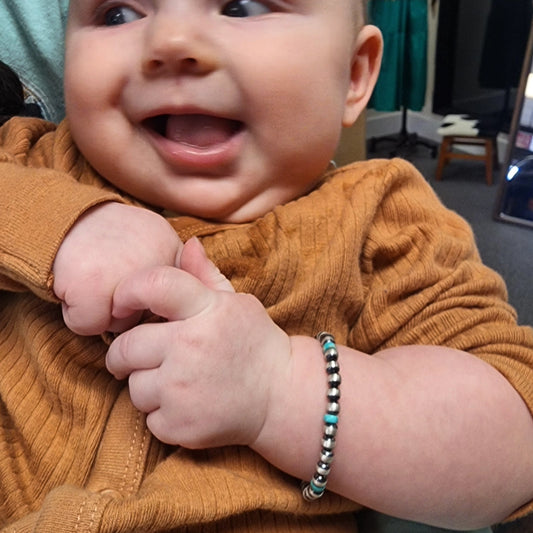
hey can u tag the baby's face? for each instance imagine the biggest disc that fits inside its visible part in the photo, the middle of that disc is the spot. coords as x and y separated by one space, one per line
213 108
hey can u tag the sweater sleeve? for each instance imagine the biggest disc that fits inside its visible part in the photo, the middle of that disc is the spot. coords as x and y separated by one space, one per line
39 202
427 284
421 268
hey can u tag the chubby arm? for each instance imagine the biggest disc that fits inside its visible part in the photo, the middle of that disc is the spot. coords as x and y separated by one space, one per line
37 209
72 242
106 244
39 202
428 434
66 234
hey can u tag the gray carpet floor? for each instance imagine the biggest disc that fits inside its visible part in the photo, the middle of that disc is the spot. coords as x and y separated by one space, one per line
506 248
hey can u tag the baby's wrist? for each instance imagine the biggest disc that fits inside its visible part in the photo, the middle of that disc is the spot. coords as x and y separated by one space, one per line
291 434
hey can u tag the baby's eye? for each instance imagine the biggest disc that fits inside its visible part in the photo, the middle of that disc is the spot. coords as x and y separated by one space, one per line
245 8
120 15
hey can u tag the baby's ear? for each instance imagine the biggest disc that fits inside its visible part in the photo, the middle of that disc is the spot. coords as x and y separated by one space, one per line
366 62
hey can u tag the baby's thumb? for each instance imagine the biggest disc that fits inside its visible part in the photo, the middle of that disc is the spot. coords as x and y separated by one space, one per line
194 260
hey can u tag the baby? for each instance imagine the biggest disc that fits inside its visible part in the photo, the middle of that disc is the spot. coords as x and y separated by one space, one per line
215 121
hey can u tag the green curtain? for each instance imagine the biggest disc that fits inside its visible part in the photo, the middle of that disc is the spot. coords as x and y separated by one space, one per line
402 80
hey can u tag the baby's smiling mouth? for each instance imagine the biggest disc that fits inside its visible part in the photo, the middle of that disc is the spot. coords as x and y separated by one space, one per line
195 130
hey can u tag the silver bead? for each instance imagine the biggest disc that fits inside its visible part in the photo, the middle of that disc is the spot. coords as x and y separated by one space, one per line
334 394
328 443
332 367
333 408
326 456
324 336
330 431
334 380
320 481
323 468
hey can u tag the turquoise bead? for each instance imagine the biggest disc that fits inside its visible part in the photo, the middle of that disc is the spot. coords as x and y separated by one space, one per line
315 489
331 419
327 345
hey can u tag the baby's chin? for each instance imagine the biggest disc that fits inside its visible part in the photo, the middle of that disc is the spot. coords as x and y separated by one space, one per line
234 213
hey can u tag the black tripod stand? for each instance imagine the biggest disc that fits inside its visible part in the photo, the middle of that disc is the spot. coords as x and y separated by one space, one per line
403 141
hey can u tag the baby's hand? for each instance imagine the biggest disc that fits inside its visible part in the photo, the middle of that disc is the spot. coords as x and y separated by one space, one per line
205 377
107 244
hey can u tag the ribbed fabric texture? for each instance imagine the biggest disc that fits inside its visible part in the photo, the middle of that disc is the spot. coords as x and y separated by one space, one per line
371 256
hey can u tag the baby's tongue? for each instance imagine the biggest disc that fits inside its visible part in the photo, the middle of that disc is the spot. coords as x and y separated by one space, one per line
199 130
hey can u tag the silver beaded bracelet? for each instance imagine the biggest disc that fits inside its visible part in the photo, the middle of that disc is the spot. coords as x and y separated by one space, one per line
315 488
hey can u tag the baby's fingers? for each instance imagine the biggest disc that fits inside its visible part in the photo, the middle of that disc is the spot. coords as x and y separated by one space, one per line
139 348
145 390
195 261
167 292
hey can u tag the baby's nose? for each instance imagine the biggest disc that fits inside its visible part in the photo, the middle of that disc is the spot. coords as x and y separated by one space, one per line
178 44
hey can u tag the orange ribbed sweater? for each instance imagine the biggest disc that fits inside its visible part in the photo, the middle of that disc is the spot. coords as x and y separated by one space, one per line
371 256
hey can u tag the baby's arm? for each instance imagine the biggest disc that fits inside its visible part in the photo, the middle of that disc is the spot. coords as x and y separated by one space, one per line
106 244
73 242
37 208
428 434
67 239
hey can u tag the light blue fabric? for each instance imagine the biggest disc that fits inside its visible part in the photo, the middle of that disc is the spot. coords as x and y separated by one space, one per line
31 43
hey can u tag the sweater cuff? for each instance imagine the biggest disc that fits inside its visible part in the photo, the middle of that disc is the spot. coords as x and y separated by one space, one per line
37 214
